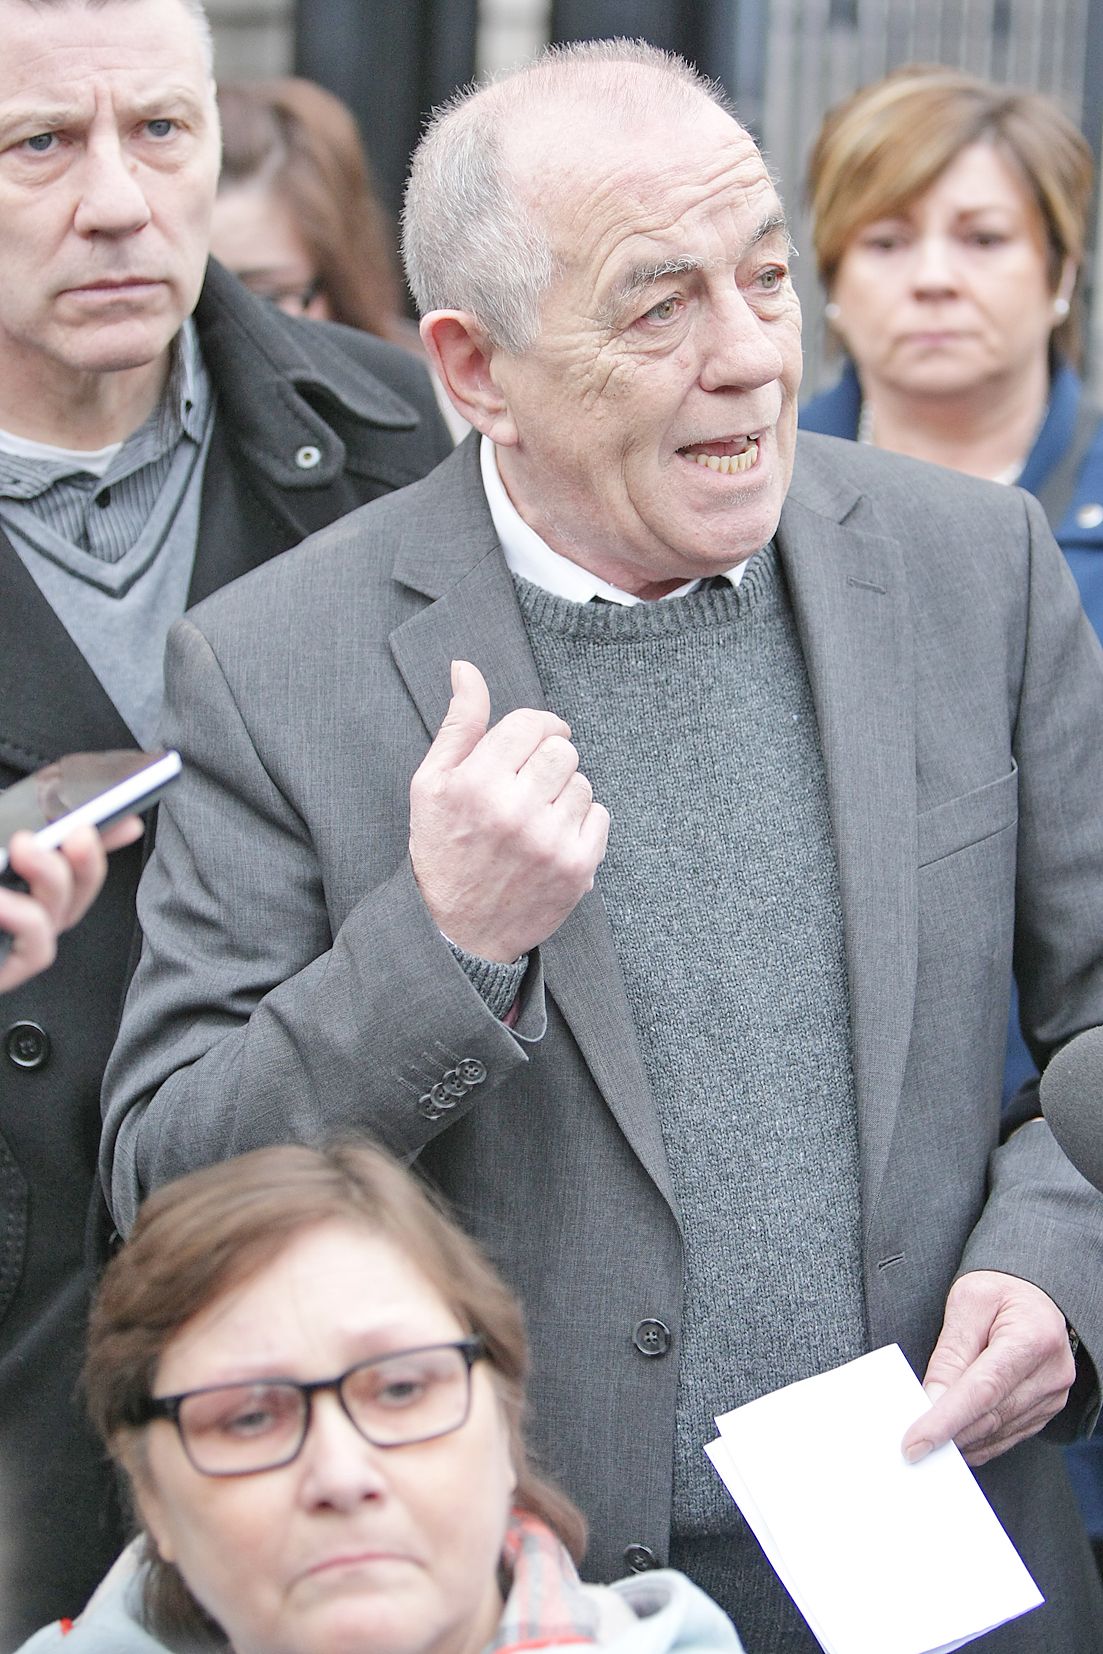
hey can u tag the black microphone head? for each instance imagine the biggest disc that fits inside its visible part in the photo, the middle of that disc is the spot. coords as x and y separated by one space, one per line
1071 1095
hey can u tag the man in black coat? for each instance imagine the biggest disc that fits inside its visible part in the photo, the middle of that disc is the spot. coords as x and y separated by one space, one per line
147 457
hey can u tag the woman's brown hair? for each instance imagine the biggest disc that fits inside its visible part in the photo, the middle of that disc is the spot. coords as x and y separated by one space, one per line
201 1236
880 149
298 140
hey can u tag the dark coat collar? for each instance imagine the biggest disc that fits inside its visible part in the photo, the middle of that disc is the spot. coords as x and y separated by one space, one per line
283 389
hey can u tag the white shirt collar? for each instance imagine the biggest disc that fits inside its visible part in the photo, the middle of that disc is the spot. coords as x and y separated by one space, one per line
533 559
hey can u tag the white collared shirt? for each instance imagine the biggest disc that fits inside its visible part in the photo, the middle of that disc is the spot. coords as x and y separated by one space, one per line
533 559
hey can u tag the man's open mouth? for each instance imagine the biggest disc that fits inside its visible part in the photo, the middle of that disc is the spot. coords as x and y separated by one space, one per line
728 455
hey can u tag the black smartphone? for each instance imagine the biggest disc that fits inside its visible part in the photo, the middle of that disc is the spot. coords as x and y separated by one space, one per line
83 787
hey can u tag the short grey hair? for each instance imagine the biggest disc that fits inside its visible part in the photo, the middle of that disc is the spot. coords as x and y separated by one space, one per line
468 241
194 8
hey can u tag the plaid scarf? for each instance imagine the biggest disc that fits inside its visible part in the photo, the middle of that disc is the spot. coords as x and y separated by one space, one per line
546 1606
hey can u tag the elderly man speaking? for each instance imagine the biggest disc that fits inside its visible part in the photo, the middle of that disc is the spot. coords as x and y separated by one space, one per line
731 1116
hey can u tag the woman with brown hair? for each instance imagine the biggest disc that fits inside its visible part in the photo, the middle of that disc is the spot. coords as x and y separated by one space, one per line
949 219
314 1383
297 218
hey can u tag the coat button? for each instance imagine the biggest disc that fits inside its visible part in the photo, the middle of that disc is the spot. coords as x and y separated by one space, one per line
440 1095
453 1085
471 1071
1089 516
639 1558
652 1337
426 1106
27 1045
307 457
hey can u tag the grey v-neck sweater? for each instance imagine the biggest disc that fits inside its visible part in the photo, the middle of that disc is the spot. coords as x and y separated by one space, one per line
694 720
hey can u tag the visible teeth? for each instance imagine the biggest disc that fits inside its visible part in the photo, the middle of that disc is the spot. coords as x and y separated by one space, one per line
727 463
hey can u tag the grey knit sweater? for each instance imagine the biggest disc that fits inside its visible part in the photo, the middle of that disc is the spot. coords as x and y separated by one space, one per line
694 721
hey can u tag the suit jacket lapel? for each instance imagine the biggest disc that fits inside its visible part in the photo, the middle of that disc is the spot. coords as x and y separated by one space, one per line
849 596
476 617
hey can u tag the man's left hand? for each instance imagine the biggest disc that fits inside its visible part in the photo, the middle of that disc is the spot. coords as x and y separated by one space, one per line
1002 1368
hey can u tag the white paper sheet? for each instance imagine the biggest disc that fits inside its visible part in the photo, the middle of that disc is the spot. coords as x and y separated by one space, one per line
880 1556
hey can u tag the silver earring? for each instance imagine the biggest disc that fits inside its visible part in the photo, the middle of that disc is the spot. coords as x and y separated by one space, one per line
1060 307
832 311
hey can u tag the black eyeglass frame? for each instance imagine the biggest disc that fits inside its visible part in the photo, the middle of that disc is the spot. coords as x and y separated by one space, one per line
168 1407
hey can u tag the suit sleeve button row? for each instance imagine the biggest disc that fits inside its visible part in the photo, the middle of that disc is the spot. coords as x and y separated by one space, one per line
652 1337
27 1045
454 1085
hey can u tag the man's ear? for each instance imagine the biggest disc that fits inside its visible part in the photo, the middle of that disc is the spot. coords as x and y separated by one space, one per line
463 357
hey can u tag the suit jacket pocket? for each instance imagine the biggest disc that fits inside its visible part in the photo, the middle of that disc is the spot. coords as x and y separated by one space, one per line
13 1225
968 819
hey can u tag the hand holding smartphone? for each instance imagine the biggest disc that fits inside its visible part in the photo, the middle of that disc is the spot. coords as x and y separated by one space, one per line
49 882
93 788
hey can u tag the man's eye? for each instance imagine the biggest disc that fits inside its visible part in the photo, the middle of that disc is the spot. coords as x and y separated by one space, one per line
161 127
773 278
664 311
41 143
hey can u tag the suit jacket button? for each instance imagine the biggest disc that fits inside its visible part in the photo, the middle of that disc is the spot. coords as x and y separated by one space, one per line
639 1558
471 1071
440 1095
27 1045
652 1337
428 1107
453 1084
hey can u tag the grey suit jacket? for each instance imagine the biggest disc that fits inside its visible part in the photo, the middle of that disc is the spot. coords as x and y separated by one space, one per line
293 984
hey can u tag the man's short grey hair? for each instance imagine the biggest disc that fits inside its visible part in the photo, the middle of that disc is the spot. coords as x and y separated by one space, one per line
194 8
468 241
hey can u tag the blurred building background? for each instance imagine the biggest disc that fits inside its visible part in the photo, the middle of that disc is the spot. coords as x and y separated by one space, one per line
783 61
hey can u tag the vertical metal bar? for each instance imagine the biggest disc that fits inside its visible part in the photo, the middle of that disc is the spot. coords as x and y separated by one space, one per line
390 60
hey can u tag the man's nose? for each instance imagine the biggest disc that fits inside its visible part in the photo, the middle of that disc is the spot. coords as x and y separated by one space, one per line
112 201
341 1468
739 352
934 266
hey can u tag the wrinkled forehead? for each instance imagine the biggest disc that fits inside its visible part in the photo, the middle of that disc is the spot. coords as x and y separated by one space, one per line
341 1277
689 184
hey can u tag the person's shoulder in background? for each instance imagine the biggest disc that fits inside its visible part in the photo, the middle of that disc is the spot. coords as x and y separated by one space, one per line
834 412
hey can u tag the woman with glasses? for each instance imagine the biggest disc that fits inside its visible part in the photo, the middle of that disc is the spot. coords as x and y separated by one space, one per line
314 1383
297 217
